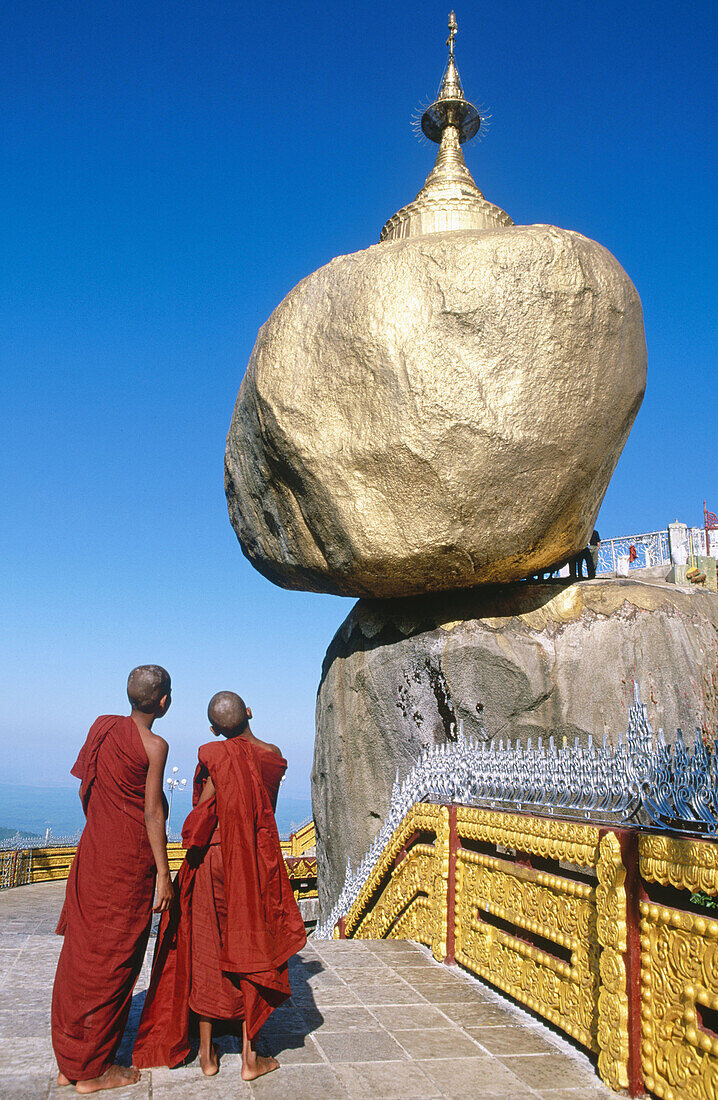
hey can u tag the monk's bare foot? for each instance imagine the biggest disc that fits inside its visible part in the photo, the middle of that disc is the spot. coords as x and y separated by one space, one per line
209 1062
116 1077
258 1067
62 1080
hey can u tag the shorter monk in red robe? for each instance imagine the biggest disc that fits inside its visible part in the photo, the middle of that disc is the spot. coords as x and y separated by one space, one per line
223 947
107 913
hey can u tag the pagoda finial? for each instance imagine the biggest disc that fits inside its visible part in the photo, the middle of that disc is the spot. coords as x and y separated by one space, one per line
452 33
451 108
449 198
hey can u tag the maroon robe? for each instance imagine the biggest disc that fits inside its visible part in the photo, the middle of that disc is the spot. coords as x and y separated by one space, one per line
108 902
228 959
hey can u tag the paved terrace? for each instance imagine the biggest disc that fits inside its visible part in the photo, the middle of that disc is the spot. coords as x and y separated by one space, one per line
367 1019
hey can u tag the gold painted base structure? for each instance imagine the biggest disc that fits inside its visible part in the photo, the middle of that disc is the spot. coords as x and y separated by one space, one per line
553 910
406 896
679 972
547 911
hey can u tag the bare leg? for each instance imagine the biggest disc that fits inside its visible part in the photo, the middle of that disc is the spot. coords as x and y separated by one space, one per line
62 1080
116 1077
207 1051
253 1064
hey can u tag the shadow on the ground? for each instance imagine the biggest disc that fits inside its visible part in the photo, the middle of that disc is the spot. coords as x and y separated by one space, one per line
285 1029
124 1054
288 1026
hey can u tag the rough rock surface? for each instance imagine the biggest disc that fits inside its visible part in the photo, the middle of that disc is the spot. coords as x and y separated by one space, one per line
514 662
436 413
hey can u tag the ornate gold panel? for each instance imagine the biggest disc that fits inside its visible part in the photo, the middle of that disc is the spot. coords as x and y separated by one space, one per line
684 864
413 904
403 911
679 976
556 909
586 997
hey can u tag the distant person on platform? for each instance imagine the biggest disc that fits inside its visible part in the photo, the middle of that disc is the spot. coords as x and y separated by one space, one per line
108 902
587 557
223 947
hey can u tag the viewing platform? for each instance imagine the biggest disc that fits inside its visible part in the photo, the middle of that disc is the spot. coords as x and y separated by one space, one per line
367 1018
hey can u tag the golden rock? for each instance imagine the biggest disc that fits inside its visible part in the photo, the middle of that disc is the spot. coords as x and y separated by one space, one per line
444 409
436 412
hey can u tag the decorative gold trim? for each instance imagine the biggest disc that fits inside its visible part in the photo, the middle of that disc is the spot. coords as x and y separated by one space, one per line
612 932
412 903
557 909
679 973
678 862
570 841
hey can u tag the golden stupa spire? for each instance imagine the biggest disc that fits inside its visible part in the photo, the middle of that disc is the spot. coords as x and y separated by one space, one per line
450 198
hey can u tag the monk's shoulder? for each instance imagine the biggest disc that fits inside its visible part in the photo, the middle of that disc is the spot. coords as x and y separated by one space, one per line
155 746
106 720
272 748
211 752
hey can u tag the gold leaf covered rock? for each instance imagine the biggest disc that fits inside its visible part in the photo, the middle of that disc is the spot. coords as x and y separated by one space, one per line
436 412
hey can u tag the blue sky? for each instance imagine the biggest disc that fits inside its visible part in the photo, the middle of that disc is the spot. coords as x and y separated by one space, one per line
169 172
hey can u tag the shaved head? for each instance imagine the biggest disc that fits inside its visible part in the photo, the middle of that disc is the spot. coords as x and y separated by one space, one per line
227 713
146 686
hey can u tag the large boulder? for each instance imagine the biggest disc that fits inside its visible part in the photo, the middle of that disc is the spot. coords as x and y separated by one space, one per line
513 662
437 412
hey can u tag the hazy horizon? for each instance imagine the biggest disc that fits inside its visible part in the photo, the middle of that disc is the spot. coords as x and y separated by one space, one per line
32 809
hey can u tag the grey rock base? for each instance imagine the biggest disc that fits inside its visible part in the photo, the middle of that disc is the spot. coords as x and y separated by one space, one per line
513 662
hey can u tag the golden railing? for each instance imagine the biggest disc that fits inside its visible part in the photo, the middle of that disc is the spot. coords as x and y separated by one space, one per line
406 896
572 920
27 865
301 842
679 967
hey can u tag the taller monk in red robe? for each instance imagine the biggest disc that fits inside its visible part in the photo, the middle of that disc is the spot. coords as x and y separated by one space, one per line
223 947
108 901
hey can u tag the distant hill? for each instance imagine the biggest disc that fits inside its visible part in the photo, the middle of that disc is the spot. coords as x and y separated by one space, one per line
5 834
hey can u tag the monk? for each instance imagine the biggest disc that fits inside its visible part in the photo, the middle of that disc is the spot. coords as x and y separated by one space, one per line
223 947
108 902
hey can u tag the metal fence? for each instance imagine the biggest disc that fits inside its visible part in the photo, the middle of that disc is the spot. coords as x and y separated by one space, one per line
642 777
15 868
629 552
22 840
634 552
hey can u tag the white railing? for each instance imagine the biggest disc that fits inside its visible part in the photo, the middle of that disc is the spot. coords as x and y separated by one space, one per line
628 552
18 841
649 549
698 537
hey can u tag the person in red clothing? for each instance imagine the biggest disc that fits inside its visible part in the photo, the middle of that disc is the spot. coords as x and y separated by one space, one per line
107 913
223 947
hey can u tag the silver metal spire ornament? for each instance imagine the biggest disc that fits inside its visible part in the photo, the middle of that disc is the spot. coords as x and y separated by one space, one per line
665 785
450 198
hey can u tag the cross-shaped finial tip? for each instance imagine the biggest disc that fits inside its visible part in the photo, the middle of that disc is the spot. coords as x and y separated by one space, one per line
452 32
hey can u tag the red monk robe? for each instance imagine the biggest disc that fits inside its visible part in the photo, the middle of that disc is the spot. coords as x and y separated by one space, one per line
108 902
223 946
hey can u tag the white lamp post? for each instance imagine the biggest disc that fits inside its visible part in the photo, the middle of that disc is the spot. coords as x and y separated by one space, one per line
174 784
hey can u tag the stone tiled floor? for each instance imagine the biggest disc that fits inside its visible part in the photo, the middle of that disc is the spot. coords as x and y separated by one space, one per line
366 1019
